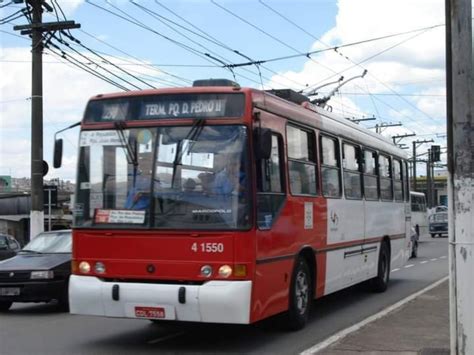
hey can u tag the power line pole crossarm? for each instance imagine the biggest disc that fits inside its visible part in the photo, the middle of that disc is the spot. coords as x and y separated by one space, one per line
37 28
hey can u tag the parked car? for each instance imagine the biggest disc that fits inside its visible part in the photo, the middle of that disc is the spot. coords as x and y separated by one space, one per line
414 243
39 272
438 224
8 246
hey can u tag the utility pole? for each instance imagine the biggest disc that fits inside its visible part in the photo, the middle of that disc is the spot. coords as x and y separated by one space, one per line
36 30
460 128
429 195
416 144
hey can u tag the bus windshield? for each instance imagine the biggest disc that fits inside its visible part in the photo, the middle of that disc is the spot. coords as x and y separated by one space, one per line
186 177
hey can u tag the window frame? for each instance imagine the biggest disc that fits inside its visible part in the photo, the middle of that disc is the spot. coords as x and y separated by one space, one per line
322 136
259 184
390 178
312 159
395 180
376 175
359 171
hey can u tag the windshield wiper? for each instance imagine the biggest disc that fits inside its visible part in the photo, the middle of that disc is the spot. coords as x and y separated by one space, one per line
131 153
30 251
193 134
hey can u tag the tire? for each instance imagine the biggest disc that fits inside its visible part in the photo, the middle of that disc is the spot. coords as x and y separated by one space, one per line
380 282
433 235
300 296
5 306
414 250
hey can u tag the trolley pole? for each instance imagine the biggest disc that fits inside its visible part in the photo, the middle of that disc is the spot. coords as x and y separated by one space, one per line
460 128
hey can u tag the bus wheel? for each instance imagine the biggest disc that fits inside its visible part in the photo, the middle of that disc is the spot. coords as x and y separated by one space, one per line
433 235
380 282
300 296
5 306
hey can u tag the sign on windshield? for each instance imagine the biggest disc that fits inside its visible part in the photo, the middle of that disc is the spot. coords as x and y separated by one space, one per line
166 107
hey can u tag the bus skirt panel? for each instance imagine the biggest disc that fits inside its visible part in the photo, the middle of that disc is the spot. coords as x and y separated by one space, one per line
211 302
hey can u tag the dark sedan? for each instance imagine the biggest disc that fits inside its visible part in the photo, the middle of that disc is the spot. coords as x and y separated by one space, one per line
39 272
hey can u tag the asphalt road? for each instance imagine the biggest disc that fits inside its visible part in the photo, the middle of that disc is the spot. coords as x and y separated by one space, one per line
41 329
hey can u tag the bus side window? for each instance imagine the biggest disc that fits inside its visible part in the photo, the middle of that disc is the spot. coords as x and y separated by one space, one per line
397 180
330 166
270 185
301 161
385 175
352 171
406 178
371 190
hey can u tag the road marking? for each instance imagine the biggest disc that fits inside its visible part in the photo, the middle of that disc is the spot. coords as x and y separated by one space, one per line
395 269
163 338
434 259
443 257
409 265
424 262
345 332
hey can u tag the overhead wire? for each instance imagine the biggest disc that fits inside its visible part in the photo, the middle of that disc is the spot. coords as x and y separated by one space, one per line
72 38
208 37
91 61
81 65
151 65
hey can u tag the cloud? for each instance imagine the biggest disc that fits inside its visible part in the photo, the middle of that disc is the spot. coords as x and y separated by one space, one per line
69 6
403 72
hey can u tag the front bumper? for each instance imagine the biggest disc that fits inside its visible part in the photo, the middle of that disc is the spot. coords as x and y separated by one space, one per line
211 302
38 291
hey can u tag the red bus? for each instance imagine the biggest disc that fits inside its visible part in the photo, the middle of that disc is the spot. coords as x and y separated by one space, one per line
224 204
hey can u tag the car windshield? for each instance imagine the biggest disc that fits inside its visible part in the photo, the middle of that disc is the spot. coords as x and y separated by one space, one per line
59 242
3 242
439 217
186 177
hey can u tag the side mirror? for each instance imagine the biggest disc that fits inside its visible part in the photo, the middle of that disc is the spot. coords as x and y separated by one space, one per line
263 143
58 153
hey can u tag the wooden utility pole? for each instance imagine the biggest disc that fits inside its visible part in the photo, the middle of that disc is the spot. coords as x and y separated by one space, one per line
460 112
36 30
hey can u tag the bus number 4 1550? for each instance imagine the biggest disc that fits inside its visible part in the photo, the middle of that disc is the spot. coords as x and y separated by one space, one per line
208 247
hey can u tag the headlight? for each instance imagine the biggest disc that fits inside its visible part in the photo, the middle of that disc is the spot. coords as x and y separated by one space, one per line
84 267
99 267
225 271
36 275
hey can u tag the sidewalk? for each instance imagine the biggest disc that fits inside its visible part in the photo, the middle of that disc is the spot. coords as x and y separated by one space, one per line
419 327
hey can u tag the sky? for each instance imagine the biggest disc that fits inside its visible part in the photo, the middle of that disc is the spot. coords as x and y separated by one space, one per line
163 43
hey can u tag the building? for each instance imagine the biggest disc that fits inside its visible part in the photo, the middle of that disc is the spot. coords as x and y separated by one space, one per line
440 190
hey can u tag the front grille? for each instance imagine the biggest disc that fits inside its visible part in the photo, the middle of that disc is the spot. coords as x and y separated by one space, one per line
14 276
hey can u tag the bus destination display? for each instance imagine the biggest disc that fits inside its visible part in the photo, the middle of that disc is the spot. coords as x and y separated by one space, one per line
166 107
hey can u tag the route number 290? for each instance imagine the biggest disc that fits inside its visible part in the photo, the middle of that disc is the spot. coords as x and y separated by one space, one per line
207 247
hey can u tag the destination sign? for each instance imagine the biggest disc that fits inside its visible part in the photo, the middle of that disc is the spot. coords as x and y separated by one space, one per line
197 108
166 107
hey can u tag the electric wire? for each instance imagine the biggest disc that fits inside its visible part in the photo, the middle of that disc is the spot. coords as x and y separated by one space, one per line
82 66
65 43
72 38
208 37
150 65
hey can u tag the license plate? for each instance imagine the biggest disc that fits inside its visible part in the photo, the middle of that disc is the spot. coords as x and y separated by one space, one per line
9 291
150 312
